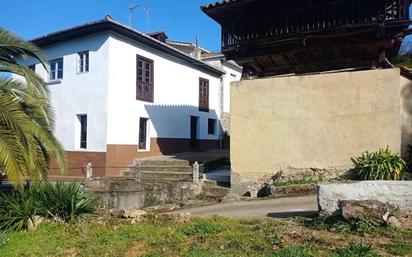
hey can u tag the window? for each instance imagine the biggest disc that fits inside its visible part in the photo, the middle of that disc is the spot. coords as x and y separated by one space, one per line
143 134
32 67
83 65
56 69
83 130
144 81
211 126
203 95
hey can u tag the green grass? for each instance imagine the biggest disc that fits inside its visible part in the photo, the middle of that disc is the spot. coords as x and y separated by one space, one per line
210 237
356 250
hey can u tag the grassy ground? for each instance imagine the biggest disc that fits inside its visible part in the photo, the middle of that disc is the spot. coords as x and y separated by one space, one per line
206 237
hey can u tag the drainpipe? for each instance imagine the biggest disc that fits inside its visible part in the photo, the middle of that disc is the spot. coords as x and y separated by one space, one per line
221 106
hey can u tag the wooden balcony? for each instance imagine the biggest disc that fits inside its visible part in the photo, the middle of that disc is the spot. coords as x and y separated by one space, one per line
297 36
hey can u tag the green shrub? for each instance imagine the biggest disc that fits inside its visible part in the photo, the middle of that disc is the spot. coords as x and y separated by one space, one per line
355 250
380 165
17 208
65 201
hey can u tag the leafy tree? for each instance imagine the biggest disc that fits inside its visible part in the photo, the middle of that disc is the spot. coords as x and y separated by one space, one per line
27 143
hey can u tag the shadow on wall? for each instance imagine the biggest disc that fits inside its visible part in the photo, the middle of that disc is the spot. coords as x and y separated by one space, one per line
406 112
182 128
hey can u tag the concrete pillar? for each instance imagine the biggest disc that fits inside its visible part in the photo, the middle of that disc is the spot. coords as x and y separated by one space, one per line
89 171
195 172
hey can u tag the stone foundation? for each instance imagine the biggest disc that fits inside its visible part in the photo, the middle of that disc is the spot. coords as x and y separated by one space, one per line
240 184
126 193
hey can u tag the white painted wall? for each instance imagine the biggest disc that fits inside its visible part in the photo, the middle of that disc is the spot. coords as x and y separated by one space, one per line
84 93
176 92
230 76
232 73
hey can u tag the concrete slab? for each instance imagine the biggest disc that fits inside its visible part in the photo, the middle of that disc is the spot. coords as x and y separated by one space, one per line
276 208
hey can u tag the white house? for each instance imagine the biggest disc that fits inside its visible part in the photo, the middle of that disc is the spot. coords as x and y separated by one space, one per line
121 95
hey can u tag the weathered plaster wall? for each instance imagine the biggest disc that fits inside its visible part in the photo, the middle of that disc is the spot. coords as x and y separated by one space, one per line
313 123
406 114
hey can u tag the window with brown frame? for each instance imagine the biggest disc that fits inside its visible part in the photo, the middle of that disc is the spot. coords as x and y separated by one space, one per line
144 79
203 95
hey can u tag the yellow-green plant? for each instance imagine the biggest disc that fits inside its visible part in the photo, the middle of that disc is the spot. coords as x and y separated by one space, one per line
381 165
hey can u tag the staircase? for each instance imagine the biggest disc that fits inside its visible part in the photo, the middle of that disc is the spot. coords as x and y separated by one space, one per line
161 170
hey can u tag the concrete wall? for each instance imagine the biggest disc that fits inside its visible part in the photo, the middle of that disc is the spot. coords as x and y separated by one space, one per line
313 123
393 192
406 114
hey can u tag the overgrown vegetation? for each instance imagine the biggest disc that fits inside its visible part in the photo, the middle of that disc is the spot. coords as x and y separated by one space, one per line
211 237
65 202
300 181
380 165
340 225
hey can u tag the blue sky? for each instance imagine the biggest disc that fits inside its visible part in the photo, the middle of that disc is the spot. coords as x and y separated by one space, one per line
180 19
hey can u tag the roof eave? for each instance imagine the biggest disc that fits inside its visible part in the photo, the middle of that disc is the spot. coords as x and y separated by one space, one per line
111 25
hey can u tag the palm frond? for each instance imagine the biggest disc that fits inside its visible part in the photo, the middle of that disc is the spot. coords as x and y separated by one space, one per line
13 46
33 81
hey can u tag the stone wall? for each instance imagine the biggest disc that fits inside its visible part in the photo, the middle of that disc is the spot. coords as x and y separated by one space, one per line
312 124
138 193
393 192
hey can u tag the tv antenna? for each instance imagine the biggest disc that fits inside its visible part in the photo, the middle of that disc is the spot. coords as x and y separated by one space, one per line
132 9
147 13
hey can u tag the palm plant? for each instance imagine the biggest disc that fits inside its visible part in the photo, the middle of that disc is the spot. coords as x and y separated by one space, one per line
27 143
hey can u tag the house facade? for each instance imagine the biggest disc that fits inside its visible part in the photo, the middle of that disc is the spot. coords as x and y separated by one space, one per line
121 95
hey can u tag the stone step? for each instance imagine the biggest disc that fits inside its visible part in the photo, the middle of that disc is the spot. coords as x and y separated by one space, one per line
129 173
166 176
167 168
168 162
209 182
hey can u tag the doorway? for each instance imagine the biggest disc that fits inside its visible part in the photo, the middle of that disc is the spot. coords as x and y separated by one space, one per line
194 120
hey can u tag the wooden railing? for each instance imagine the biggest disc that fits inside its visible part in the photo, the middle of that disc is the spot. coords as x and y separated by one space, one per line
320 17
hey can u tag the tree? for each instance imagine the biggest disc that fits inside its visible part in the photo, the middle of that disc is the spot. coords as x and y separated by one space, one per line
27 143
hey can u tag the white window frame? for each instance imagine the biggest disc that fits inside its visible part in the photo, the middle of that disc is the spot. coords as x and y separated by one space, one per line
83 60
55 72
